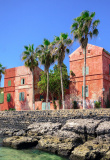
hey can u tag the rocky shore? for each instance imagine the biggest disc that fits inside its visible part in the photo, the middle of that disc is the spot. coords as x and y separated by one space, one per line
78 139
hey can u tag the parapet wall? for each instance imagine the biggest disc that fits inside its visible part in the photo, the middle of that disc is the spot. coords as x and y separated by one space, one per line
22 119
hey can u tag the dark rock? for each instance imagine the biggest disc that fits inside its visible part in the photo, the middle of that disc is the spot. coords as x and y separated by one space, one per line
20 142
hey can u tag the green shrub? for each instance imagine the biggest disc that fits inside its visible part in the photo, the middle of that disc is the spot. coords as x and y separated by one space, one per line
11 109
97 104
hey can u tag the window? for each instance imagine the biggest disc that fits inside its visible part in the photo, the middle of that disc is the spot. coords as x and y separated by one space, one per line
9 83
21 96
41 97
89 51
87 92
8 97
87 70
39 78
22 81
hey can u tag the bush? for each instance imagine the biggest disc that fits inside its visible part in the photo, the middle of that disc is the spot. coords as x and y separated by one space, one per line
75 105
97 104
11 109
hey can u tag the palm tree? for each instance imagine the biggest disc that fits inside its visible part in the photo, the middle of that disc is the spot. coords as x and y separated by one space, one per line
83 28
44 53
62 44
2 71
29 57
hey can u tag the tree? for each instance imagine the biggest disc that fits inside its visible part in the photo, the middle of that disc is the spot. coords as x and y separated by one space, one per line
62 44
46 58
54 82
2 71
29 57
83 28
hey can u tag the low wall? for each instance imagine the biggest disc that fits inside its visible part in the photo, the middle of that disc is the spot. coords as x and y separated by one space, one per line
22 119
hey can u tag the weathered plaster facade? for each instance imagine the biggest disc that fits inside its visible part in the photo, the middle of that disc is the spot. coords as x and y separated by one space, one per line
15 76
97 63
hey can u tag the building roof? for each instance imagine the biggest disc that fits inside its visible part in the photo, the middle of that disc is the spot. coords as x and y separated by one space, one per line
89 46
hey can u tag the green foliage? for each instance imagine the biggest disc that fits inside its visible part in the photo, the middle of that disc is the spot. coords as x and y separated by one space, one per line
54 81
29 57
2 71
97 104
12 109
84 27
44 54
61 47
73 74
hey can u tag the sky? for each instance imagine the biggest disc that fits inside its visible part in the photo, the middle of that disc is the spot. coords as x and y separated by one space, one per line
24 22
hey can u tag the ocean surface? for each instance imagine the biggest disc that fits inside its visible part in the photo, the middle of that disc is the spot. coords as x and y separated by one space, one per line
26 154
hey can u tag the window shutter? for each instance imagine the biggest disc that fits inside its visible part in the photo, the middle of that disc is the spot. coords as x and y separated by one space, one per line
22 96
87 93
39 78
21 81
8 97
9 83
82 91
83 71
19 96
1 97
87 70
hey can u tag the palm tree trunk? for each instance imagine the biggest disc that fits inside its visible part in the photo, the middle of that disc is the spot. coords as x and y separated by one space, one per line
33 90
47 97
63 102
84 80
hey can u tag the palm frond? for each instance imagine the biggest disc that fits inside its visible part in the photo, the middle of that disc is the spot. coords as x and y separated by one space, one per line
95 32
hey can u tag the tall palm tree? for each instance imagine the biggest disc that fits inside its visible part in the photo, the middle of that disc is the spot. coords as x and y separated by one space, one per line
29 57
44 53
2 71
62 44
83 28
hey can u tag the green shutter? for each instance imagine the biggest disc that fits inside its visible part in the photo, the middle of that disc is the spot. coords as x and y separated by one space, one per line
82 91
9 83
83 71
87 94
8 97
21 81
1 97
87 70
87 91
22 96
19 96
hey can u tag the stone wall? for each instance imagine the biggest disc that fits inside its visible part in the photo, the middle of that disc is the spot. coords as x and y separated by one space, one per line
22 119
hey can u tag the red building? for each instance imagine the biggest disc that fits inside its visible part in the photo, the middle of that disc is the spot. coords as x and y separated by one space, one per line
18 88
97 75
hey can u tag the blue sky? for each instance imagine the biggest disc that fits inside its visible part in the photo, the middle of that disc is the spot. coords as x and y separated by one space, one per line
24 22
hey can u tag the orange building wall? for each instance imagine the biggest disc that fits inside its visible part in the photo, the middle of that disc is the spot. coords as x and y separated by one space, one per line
94 79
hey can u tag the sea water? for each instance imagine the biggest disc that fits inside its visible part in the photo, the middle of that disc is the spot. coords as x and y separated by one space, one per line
26 154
